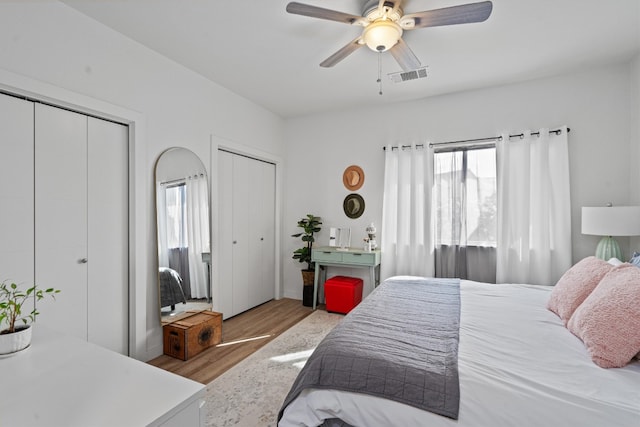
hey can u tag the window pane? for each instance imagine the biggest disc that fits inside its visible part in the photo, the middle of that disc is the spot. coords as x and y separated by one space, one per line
449 194
481 197
465 197
175 201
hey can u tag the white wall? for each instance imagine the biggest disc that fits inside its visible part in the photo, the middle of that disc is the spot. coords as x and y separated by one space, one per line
594 104
50 49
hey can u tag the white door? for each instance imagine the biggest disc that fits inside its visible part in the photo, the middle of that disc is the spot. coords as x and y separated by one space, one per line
61 217
16 191
268 215
262 232
242 215
81 219
108 235
246 189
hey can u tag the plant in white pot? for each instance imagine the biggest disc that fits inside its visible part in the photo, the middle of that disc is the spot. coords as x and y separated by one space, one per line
15 326
310 225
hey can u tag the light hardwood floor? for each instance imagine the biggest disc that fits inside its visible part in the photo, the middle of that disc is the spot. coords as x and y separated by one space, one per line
257 326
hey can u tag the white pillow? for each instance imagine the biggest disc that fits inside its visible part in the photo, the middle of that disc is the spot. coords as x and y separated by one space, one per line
615 262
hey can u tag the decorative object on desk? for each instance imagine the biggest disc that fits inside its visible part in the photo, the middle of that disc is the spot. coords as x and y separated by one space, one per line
333 233
310 225
353 205
371 234
17 334
610 221
353 178
344 239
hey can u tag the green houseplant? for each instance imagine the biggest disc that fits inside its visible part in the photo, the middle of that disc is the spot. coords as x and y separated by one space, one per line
16 334
310 225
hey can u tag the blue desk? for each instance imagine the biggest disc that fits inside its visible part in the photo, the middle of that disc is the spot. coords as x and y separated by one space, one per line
352 257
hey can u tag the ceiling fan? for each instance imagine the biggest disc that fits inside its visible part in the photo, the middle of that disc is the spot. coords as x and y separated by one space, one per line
384 21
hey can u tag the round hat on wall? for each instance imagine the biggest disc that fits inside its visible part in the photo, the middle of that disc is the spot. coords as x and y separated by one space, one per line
353 206
353 177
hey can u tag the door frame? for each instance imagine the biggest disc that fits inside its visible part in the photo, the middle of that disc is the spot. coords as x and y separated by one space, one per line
220 143
139 198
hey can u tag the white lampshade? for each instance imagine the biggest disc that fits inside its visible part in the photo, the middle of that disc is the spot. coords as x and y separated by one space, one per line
611 220
381 35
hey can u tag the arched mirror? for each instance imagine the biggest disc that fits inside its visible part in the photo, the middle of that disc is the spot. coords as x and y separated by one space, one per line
182 214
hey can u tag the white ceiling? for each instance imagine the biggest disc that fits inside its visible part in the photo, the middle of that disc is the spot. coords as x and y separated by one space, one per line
259 51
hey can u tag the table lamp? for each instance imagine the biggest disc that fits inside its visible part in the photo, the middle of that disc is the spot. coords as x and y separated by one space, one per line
610 221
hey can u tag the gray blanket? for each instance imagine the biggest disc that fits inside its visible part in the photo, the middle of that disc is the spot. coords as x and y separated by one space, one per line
400 343
171 291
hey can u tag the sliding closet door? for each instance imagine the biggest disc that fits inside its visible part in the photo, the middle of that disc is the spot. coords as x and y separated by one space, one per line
61 217
262 231
81 225
16 191
246 272
243 215
108 234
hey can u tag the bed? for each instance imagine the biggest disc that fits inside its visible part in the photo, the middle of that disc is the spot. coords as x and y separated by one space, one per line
517 365
171 292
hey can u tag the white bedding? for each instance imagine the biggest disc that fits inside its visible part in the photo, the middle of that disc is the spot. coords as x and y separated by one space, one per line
518 366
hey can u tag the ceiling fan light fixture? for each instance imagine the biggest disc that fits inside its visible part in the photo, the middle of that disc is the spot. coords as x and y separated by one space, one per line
381 36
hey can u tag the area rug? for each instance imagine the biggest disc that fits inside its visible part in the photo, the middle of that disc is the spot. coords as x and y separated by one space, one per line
250 394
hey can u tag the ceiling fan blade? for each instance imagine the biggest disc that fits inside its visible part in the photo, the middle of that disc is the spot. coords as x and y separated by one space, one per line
321 13
404 56
462 14
342 53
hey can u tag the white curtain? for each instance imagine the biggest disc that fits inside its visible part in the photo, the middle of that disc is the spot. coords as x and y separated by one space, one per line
197 234
407 237
161 210
534 209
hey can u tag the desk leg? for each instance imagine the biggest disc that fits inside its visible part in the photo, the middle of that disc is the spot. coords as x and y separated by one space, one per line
372 277
316 276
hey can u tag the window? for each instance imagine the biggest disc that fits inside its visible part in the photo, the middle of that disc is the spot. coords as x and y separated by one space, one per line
176 214
465 208
465 197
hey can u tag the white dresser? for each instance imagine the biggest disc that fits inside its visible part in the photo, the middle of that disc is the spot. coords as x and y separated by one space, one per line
61 380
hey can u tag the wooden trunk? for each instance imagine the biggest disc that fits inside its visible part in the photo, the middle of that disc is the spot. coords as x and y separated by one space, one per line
192 334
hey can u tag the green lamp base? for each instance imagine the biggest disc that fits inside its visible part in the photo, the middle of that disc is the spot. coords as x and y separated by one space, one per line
608 248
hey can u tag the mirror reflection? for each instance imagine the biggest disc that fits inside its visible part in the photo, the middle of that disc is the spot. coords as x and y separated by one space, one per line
182 213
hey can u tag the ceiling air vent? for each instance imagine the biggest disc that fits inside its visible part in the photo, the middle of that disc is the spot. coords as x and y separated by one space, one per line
405 76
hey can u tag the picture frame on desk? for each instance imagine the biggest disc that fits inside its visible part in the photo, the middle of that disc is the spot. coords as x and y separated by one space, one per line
340 238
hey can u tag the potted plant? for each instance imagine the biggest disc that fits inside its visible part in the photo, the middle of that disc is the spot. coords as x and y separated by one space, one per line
310 225
16 335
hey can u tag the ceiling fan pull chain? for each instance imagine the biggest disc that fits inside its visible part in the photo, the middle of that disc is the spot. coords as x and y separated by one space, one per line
380 72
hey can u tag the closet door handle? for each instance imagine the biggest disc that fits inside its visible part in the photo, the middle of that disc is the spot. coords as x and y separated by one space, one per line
235 241
83 261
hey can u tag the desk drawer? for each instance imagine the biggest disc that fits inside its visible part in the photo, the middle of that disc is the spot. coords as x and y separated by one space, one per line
359 258
327 256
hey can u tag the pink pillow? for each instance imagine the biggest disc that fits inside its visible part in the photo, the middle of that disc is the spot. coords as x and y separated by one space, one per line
608 321
575 285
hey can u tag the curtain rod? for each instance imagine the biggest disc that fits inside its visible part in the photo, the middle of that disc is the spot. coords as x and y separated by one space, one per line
464 141
174 181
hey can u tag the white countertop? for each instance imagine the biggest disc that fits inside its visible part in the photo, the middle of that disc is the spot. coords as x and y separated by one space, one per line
64 381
